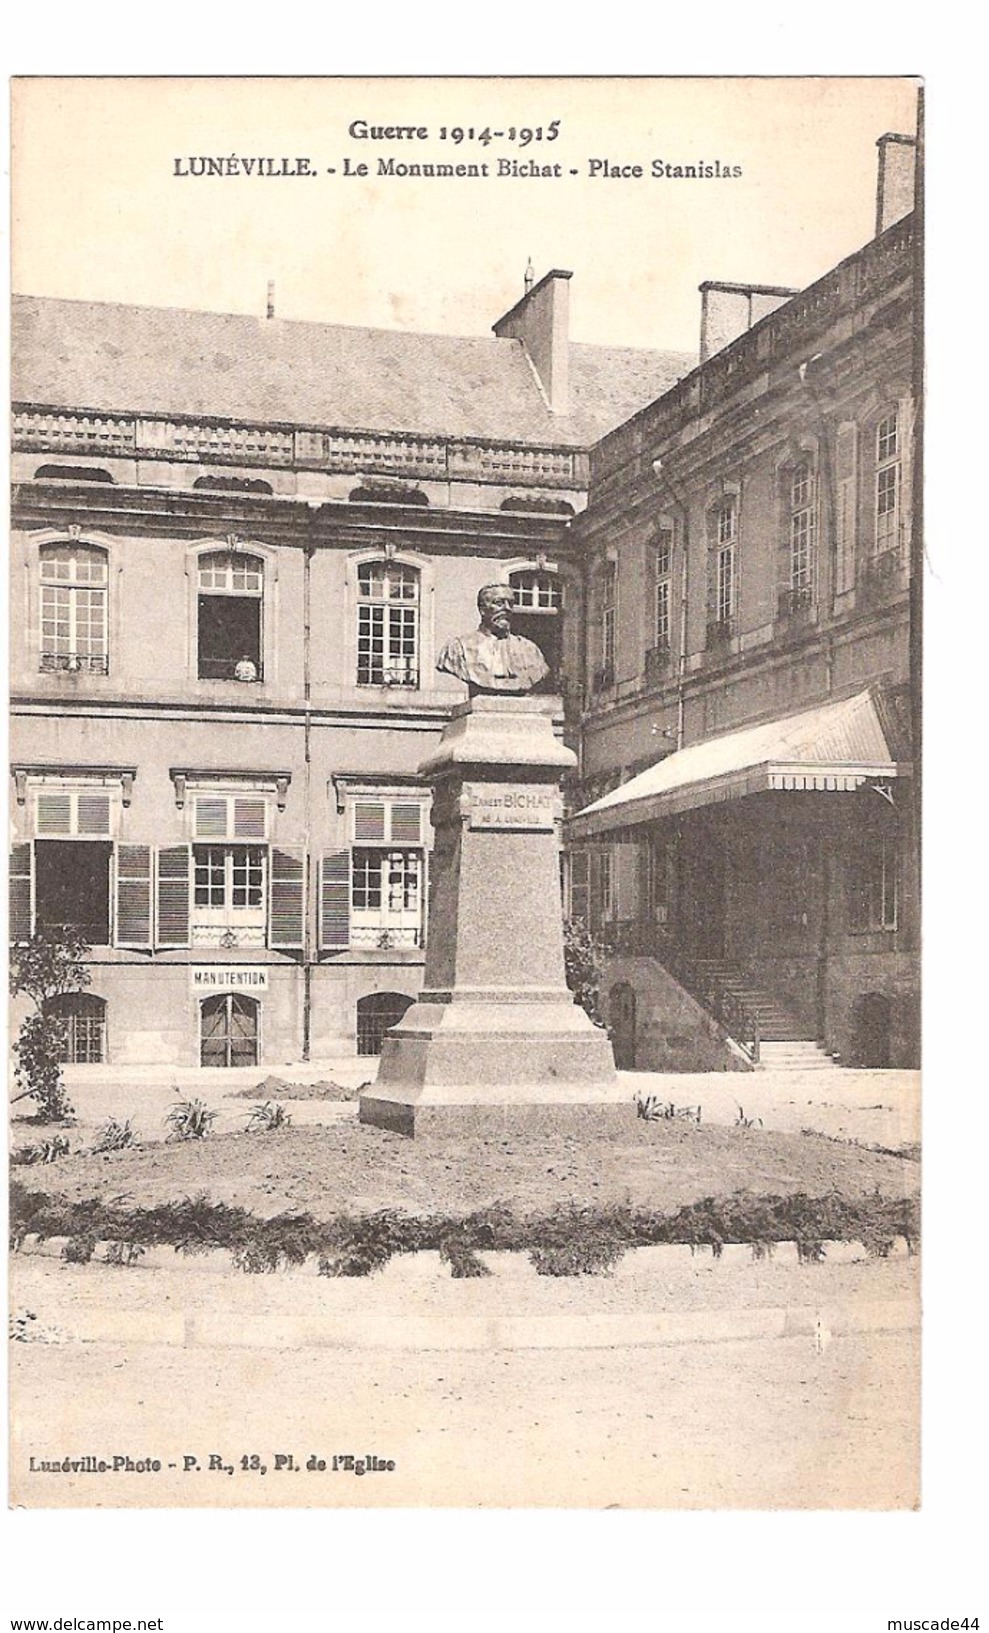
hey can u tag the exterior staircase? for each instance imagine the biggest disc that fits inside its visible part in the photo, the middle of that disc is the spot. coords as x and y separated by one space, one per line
786 1042
795 1056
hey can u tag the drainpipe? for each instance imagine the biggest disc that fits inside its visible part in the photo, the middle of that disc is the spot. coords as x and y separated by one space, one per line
658 472
308 939
682 660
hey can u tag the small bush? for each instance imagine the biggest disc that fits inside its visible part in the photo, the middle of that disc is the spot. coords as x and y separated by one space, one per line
365 1245
579 1242
44 969
582 957
457 1251
79 1249
741 1121
655 1110
268 1116
38 1050
190 1120
276 1242
45 1151
113 1136
123 1253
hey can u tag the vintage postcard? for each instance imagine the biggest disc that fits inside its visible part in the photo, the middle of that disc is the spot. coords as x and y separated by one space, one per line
464 793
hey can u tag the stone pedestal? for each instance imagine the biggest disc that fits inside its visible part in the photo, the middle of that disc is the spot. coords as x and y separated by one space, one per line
495 1039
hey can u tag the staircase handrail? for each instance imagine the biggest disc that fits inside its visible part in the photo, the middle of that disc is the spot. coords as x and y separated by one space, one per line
640 938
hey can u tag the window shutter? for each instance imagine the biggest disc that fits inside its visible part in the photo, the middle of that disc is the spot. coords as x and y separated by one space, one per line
54 813
906 419
406 823
133 913
846 506
784 547
369 821
211 818
334 899
580 895
249 818
712 567
93 815
173 896
20 893
286 920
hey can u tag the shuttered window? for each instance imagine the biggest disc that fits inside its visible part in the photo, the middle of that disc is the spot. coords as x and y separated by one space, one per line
369 820
173 896
134 905
230 816
72 813
580 888
286 925
20 893
387 821
334 900
406 824
846 512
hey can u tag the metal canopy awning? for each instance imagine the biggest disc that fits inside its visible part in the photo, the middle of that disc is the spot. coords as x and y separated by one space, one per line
834 748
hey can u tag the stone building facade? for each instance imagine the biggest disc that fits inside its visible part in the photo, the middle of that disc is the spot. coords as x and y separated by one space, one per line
746 821
238 546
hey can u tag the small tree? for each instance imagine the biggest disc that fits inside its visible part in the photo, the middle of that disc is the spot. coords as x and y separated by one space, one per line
582 955
42 969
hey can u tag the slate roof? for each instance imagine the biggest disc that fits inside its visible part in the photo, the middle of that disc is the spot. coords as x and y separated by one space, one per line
164 361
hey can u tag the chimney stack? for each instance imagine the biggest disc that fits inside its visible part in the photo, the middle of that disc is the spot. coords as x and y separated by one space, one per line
541 320
728 310
896 179
271 298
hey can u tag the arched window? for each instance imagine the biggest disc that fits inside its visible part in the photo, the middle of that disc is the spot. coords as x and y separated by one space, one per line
538 616
888 482
74 625
725 541
229 617
233 484
375 1014
82 1019
803 529
228 1030
797 539
72 473
388 600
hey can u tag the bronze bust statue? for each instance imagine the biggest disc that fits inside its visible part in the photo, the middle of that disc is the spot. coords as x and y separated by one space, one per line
491 659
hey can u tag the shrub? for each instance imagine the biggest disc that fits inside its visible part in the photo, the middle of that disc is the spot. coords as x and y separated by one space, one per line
48 966
579 1242
38 1050
582 958
113 1136
363 1246
276 1242
190 1120
123 1253
79 1249
45 1151
655 1110
266 1117
457 1250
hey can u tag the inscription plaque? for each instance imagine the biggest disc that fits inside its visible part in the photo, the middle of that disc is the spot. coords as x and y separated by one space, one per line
507 805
